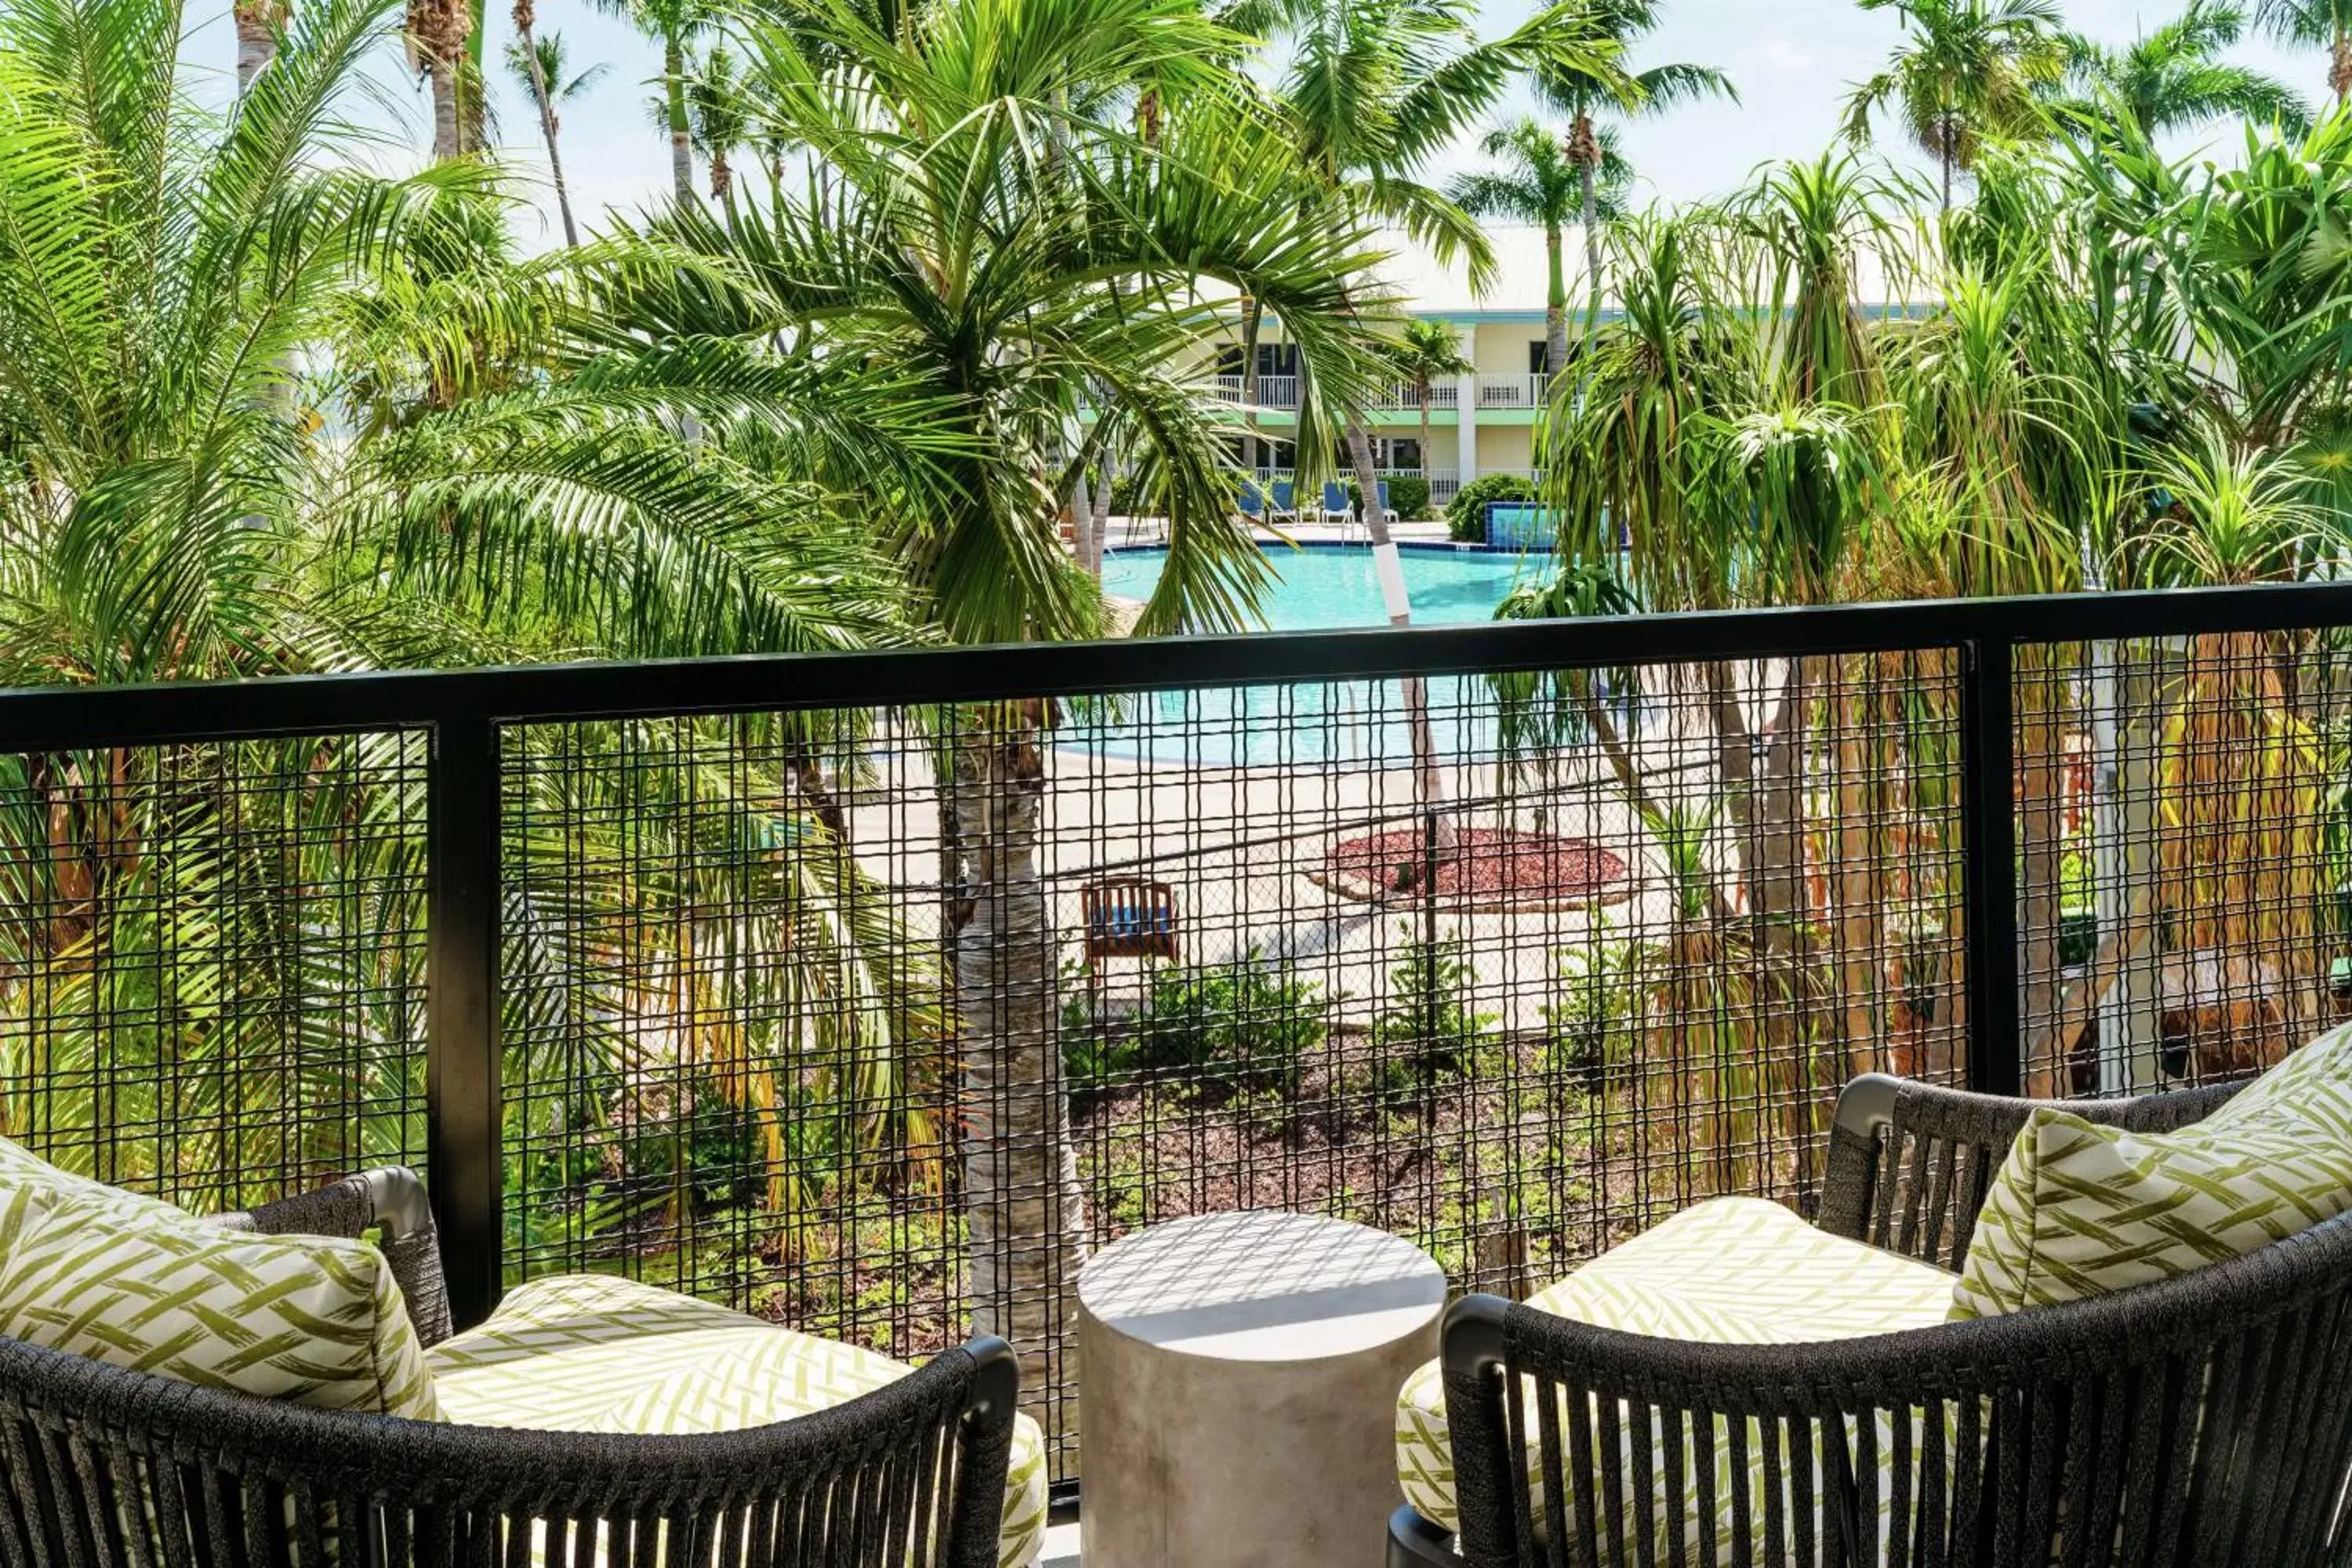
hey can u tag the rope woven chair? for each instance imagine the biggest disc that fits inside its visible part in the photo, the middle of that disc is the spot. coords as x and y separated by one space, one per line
2206 1419
100 1466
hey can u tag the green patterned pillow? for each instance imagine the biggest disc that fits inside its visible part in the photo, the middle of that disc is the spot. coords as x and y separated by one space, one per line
2080 1210
314 1320
30 1186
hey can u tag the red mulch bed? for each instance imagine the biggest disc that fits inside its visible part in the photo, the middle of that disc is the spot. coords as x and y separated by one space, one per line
1489 865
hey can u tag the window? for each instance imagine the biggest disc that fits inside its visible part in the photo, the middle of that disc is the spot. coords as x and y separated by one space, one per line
1276 359
1396 452
1539 352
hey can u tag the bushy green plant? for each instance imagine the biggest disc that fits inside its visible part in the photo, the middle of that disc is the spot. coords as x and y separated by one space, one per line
1096 1057
1591 1022
1429 1023
1465 514
1245 1024
1408 494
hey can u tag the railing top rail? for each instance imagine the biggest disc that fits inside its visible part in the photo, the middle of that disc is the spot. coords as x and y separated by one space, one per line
64 718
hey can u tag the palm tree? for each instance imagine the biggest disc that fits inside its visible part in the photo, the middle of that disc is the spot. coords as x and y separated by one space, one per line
719 115
2315 23
1966 73
1542 185
2174 78
1007 291
675 24
1373 91
1584 94
167 514
537 63
1427 351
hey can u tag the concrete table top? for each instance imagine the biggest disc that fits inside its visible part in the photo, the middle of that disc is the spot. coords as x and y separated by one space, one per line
1239 1374
1262 1284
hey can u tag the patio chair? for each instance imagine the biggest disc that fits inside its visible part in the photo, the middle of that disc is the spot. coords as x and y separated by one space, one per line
590 1420
1388 512
1252 502
1336 509
1285 504
2201 1418
1129 917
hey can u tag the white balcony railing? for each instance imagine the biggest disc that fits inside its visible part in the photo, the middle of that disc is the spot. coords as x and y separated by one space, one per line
1404 394
1278 391
1512 391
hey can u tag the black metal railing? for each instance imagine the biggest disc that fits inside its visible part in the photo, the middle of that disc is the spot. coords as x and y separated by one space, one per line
864 991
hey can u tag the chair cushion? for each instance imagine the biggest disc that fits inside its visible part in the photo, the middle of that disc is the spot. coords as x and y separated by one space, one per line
1727 1271
318 1321
589 1353
30 1186
2081 1210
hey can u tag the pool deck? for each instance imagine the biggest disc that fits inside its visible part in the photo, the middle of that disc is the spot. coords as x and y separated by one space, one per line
1142 532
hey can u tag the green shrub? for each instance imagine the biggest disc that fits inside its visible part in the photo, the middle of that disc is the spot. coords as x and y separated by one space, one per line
1465 514
1245 1024
1591 1026
1408 493
1429 1023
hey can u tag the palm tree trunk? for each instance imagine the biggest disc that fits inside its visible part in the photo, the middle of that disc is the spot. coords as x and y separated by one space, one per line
523 19
1024 1207
1252 318
1098 524
1421 391
1947 161
1428 782
444 72
2339 64
681 144
1555 303
256 40
1584 149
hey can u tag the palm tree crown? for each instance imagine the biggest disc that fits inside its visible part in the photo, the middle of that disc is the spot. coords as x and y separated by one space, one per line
2174 78
563 84
1540 183
1583 95
1968 71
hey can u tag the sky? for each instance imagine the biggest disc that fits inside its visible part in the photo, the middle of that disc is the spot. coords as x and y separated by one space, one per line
1793 62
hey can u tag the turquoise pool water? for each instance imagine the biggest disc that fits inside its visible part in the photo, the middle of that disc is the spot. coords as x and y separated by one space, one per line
1322 587
1357 723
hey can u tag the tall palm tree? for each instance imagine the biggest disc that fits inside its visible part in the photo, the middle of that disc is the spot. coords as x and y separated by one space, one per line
676 25
1426 351
1968 71
1008 289
719 113
1374 91
2326 24
1584 94
2174 78
537 63
1542 185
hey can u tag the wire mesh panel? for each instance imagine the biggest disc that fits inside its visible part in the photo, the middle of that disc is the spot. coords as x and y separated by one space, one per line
876 1022
2182 855
212 961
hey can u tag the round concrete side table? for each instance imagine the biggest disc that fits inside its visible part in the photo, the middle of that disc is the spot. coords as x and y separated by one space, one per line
1239 1375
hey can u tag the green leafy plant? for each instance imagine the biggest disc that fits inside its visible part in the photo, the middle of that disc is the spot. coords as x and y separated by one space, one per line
1465 514
1245 1024
1430 1022
1408 496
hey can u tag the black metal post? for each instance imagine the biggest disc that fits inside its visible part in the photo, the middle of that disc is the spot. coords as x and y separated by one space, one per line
1988 864
463 1098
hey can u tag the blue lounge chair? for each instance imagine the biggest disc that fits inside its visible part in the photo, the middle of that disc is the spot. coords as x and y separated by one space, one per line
1387 510
1336 508
1286 509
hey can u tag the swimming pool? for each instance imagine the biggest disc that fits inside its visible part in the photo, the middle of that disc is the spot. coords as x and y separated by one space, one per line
1360 723
1320 586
